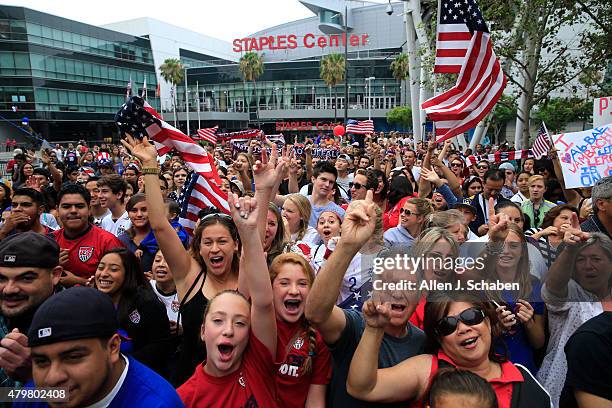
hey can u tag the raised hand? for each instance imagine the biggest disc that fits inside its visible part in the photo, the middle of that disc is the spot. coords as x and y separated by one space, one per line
142 149
376 315
268 171
359 222
498 224
244 213
33 183
431 176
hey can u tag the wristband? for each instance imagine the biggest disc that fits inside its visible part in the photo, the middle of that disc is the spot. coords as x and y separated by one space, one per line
150 170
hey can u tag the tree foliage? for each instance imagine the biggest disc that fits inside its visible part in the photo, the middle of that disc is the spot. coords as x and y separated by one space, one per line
400 115
399 67
558 112
332 73
251 66
172 71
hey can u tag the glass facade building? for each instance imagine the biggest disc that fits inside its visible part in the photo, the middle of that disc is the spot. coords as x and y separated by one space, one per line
67 77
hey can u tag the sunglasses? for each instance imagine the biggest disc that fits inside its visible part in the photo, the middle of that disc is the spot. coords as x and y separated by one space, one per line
483 167
456 165
357 186
407 212
217 215
447 325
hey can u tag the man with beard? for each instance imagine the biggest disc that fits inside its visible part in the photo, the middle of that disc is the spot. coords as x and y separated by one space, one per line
29 272
82 243
26 207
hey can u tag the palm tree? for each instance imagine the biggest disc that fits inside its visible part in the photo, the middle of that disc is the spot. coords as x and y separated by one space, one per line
332 73
252 67
399 68
172 71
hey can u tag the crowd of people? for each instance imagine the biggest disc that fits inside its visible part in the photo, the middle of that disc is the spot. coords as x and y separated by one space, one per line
339 279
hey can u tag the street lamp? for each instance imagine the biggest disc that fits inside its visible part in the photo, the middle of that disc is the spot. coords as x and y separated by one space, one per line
369 81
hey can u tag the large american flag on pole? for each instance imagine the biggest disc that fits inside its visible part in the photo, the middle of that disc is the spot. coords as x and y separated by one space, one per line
359 127
453 39
480 83
542 144
208 134
206 190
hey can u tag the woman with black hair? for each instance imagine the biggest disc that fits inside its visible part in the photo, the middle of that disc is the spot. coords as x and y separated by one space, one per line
139 238
400 189
142 317
5 197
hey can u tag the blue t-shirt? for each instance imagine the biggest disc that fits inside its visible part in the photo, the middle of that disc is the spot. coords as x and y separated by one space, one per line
142 387
317 210
517 342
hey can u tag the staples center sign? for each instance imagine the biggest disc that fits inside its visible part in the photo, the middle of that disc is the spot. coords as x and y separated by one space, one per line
292 41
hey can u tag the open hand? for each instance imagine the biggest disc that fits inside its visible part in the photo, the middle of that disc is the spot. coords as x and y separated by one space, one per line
142 149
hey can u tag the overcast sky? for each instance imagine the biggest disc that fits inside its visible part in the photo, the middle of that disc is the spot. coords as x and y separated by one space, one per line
223 19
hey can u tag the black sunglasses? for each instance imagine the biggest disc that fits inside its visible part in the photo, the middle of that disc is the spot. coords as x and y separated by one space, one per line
447 325
356 185
407 212
483 167
456 165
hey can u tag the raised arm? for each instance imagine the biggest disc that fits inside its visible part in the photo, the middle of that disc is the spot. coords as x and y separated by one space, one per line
55 173
263 319
369 383
453 181
321 310
571 196
170 244
561 270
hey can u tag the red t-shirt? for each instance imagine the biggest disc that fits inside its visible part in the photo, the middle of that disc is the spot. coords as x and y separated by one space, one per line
502 385
292 385
391 217
252 385
87 249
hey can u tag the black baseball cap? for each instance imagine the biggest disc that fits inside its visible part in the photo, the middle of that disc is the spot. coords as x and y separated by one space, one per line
76 313
466 205
29 249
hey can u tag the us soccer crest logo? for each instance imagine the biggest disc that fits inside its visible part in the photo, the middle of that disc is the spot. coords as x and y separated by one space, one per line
85 253
299 342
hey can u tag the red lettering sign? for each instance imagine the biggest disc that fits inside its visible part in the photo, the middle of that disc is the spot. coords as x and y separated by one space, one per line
290 41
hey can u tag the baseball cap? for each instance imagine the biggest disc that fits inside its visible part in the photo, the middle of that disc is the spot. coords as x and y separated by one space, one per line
506 166
29 249
105 163
465 205
76 313
345 156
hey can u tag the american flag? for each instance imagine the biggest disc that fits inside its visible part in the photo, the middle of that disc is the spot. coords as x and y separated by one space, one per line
542 144
144 89
206 190
479 85
453 38
359 127
208 134
197 194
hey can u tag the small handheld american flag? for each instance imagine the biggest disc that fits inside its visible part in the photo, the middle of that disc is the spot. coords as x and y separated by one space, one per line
542 144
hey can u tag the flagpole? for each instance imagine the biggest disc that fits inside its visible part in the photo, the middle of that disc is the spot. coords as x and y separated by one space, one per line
198 96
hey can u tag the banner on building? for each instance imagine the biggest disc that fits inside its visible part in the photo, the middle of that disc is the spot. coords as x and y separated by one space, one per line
585 156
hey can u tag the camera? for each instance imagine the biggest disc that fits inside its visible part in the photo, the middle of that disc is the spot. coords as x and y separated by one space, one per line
389 9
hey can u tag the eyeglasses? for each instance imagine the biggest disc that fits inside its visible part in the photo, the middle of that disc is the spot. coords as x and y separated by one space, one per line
356 185
483 167
447 325
456 165
407 212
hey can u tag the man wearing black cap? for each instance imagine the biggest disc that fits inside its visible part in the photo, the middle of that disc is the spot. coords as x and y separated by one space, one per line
75 345
29 273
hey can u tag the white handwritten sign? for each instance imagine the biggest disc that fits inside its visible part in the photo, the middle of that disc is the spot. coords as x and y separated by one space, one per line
585 156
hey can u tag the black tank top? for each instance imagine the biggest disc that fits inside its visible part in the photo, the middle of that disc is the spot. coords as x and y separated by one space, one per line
191 351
